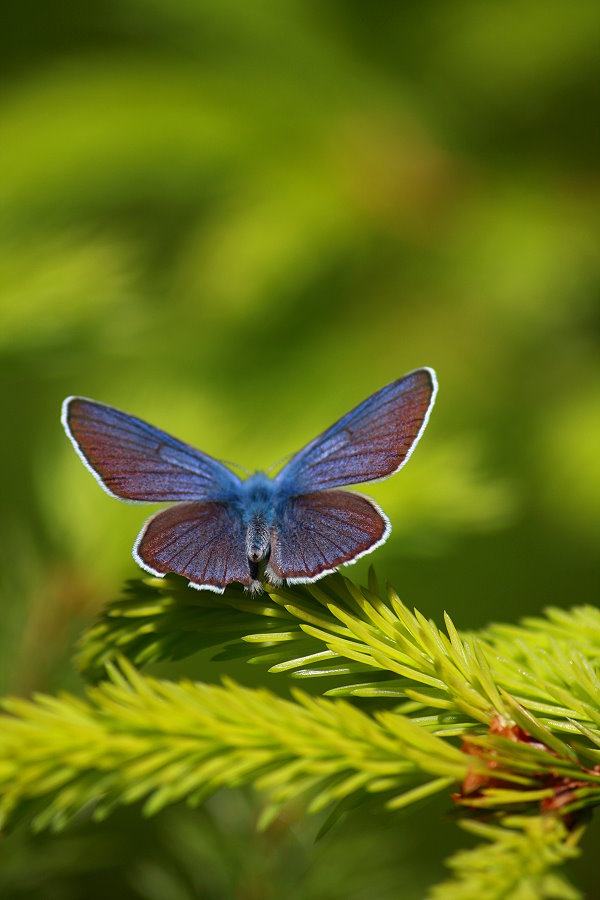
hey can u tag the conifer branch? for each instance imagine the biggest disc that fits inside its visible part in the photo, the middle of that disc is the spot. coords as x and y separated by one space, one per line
524 700
517 861
373 647
139 738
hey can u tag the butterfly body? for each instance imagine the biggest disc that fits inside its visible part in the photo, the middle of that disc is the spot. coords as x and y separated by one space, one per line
257 506
299 524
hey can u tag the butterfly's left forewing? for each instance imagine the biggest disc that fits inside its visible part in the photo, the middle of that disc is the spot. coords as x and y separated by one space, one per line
132 460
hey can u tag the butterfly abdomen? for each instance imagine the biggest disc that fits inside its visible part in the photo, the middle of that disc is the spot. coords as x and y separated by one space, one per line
258 538
258 516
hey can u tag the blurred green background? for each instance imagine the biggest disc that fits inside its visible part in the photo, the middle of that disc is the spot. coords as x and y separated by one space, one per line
238 220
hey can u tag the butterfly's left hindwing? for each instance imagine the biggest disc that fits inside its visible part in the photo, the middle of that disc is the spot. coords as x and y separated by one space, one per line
204 542
315 533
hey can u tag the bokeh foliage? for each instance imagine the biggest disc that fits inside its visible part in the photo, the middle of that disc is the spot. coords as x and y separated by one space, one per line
236 221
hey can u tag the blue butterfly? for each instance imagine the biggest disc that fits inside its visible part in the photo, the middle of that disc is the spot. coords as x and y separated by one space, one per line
222 528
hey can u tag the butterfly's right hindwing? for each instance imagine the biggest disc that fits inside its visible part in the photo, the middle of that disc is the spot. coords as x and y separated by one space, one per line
315 533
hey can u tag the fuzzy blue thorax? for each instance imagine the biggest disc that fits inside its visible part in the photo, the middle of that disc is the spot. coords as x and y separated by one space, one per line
258 506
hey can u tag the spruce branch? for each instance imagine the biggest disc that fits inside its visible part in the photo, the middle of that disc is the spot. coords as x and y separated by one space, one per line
524 700
374 647
159 620
518 861
139 738
136 738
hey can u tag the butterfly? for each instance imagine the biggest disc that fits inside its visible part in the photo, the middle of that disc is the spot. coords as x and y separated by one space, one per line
297 526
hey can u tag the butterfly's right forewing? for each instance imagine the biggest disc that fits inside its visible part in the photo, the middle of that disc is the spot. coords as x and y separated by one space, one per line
317 528
370 442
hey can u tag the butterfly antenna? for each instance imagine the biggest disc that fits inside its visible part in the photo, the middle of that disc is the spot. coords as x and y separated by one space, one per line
279 462
232 465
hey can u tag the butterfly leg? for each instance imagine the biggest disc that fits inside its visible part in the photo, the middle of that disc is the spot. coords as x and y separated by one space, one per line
255 587
273 577
270 572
